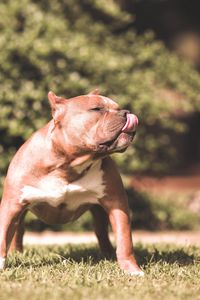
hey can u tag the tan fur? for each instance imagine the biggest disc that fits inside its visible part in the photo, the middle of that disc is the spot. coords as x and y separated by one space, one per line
64 169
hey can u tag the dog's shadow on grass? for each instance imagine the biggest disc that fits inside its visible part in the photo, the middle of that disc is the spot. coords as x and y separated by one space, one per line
91 254
178 256
144 256
79 254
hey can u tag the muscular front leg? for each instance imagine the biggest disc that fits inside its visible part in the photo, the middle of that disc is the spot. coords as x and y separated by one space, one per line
10 212
116 205
121 227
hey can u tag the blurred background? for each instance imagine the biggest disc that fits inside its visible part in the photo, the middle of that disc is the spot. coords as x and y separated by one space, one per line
145 54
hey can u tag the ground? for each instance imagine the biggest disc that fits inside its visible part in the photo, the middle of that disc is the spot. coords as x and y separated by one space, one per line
176 183
79 272
183 238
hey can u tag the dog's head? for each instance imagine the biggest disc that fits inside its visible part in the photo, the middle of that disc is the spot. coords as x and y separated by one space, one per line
92 123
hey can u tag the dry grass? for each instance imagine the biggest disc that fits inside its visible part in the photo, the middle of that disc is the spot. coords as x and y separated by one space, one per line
79 272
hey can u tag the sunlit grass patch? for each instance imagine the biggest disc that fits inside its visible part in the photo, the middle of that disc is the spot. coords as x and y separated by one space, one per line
80 272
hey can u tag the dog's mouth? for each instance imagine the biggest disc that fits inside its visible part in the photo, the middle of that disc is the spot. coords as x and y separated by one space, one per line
123 138
121 142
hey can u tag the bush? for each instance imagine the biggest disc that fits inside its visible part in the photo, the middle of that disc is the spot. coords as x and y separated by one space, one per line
161 213
71 47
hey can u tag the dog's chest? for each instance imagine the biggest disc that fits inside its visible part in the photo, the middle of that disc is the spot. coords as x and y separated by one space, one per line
87 189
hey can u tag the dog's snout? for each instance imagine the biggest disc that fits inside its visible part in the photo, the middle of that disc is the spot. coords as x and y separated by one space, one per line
124 112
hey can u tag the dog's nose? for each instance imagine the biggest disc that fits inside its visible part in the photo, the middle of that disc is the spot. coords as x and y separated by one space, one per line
124 112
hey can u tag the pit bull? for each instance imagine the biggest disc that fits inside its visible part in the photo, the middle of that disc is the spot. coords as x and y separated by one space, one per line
65 168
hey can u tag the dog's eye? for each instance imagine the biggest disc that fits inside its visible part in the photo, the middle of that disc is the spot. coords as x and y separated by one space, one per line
97 109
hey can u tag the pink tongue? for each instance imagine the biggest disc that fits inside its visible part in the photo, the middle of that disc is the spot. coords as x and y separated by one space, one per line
131 123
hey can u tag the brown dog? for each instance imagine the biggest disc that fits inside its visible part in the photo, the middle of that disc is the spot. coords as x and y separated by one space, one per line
64 169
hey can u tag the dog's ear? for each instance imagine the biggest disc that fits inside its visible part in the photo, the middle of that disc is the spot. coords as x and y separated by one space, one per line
94 92
57 106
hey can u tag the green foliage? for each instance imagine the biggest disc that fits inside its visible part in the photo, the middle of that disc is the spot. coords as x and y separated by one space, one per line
161 213
71 47
79 272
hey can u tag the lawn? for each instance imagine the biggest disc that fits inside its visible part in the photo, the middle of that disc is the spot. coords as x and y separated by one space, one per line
79 272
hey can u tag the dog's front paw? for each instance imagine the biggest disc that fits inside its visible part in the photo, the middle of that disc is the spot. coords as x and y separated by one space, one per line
138 273
129 266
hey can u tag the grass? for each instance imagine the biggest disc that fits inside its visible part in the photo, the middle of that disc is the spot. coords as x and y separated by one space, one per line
79 272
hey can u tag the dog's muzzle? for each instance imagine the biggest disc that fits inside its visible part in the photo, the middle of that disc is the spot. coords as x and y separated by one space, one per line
123 138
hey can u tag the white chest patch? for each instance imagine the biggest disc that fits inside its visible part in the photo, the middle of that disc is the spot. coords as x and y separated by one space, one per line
88 189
